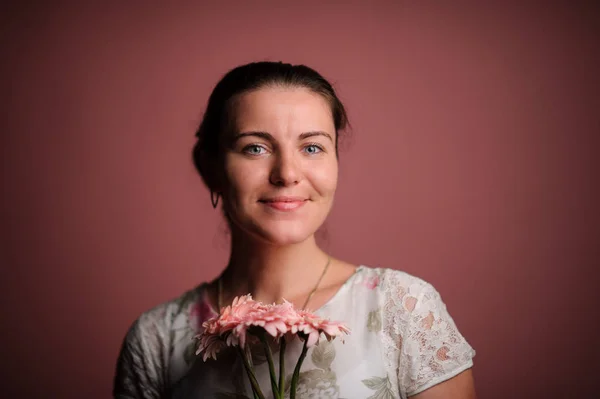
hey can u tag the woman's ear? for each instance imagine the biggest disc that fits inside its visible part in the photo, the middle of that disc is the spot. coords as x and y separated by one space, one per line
211 172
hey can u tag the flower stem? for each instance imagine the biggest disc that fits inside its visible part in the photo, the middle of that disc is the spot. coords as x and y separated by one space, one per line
269 355
255 387
296 375
282 367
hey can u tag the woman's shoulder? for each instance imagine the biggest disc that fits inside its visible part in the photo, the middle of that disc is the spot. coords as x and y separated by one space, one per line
397 292
153 333
187 308
420 339
390 280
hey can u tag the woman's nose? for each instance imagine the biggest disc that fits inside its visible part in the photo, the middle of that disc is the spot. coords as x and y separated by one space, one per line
286 171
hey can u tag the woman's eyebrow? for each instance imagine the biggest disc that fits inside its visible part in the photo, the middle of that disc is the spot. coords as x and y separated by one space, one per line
269 137
315 133
262 135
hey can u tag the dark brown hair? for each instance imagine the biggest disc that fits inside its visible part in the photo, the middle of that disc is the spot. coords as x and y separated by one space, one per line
253 76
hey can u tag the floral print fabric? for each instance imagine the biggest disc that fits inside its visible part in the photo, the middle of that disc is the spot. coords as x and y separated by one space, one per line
403 341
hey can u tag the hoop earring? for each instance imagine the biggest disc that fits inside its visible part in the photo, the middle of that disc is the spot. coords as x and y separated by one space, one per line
214 199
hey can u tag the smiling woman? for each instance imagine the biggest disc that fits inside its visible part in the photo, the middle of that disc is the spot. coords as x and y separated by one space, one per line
280 165
267 147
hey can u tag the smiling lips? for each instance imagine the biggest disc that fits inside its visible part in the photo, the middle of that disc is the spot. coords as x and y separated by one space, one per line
284 203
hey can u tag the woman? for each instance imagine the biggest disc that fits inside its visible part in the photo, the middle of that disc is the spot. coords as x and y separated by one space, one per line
267 150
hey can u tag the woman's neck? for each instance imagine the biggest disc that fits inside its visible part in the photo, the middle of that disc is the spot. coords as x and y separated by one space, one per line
270 272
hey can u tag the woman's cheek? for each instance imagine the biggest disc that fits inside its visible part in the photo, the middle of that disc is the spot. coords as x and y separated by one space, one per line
325 181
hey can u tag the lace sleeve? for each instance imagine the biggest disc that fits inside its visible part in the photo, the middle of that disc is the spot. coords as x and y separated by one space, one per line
432 350
141 366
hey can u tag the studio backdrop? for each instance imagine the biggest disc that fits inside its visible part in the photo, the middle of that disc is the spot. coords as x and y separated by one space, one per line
469 163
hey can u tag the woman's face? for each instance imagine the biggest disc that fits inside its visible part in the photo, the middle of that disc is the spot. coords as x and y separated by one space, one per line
280 164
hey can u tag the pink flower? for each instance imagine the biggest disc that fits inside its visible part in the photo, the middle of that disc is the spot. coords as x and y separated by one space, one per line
210 345
218 331
232 317
276 320
313 326
235 324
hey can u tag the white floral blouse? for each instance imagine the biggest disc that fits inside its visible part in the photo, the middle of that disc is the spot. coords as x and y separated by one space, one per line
403 341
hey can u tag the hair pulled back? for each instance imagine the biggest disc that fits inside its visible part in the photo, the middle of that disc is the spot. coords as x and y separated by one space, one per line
245 78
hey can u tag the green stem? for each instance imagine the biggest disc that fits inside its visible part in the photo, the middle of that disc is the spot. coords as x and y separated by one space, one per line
269 355
282 367
248 353
296 375
255 387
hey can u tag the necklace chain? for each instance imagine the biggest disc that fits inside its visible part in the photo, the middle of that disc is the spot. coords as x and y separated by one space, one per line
220 287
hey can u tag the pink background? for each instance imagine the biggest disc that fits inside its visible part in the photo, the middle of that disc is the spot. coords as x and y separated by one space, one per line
471 164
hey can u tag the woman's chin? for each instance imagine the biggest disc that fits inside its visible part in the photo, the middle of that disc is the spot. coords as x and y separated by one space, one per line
289 235
278 232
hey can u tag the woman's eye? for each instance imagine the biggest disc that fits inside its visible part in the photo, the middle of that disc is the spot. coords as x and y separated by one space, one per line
255 150
313 149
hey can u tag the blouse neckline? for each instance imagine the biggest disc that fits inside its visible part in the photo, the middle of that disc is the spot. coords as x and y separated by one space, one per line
339 293
202 292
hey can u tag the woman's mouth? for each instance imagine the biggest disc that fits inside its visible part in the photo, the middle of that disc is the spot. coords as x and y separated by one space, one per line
284 203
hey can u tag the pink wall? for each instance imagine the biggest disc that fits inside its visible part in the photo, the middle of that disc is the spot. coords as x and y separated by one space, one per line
471 164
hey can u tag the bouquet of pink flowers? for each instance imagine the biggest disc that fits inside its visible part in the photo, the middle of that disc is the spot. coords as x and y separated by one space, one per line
247 322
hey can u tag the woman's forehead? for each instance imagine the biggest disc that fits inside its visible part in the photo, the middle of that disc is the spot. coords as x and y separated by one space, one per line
281 110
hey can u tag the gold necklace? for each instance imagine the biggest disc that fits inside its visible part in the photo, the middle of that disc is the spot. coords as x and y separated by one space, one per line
220 287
